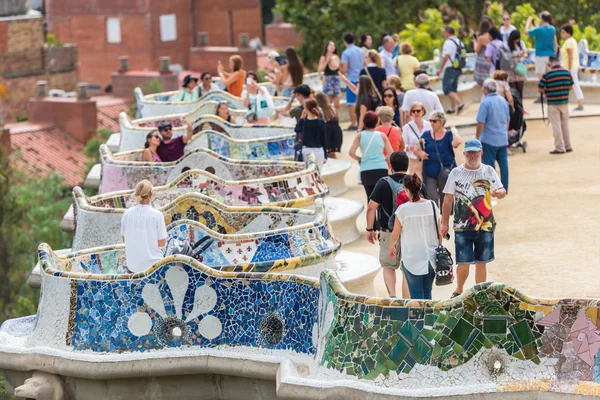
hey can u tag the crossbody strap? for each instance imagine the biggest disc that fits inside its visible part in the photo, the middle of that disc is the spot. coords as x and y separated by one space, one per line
373 83
437 232
413 129
436 148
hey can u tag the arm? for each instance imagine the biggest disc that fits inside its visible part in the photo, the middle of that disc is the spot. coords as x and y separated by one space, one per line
162 242
349 84
246 97
446 208
394 239
439 71
509 97
371 210
569 58
189 132
528 24
555 44
123 239
456 139
286 110
322 64
147 155
479 130
476 45
344 67
363 111
231 78
354 147
498 193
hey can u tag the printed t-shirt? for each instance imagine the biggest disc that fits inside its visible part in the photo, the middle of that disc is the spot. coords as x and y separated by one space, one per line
472 198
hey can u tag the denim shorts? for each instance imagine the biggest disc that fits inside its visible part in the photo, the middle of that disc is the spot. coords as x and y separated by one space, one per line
450 80
474 247
350 95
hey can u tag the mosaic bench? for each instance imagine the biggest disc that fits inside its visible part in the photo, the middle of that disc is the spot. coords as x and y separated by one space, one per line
158 104
315 338
123 171
134 132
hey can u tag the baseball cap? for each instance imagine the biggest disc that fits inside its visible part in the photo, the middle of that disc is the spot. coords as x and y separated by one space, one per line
473 145
163 126
304 90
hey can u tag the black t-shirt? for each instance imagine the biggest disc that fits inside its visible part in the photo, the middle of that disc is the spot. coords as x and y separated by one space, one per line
382 194
312 133
378 75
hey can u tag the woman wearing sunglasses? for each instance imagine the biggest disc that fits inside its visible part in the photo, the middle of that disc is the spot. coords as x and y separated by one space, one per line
390 99
411 134
438 156
151 147
206 84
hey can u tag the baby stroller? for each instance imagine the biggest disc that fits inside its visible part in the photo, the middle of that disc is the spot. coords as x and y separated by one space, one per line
517 126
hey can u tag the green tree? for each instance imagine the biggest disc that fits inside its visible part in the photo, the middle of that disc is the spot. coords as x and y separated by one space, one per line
519 18
426 36
92 147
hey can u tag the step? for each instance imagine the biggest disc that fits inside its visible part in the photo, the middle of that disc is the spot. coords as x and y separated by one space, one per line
342 215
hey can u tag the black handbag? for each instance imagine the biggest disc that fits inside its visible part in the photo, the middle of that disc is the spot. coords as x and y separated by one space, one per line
444 274
298 156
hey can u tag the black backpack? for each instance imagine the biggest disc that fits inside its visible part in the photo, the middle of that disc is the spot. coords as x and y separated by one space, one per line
460 57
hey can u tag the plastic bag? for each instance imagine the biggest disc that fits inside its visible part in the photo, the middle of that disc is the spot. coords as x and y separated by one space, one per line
265 107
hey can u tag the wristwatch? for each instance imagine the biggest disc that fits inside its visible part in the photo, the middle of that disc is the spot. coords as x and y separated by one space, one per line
370 230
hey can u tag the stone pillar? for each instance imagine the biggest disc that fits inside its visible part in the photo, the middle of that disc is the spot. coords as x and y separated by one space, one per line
42 88
165 62
202 39
244 41
82 90
123 64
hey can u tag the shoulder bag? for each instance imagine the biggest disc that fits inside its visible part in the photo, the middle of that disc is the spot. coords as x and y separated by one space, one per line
444 274
374 85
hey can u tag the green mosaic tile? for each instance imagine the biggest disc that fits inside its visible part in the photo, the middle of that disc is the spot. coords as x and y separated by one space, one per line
430 319
461 331
421 351
399 351
494 325
409 332
522 333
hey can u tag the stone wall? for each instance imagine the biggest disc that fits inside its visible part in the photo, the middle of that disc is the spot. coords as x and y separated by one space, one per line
282 35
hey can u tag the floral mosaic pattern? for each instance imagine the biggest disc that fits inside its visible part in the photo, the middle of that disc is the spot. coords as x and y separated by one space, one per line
122 172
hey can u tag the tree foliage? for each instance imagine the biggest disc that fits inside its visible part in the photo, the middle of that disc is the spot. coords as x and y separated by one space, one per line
31 208
92 147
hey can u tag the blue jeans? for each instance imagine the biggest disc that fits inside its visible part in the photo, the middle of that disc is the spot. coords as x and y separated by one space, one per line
474 247
419 286
491 154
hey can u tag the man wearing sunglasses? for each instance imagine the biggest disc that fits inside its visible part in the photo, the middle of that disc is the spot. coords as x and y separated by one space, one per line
171 149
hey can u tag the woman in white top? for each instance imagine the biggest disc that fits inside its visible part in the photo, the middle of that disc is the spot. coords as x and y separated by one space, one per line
143 231
411 135
415 227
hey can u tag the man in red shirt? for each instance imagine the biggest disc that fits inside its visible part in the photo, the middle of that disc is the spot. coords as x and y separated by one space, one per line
171 149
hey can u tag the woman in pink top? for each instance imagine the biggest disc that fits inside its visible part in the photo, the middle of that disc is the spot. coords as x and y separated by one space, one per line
151 146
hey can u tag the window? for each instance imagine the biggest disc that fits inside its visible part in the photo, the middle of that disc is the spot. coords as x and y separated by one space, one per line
168 28
113 30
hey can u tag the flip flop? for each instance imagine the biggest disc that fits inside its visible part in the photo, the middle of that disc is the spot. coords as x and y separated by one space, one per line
455 294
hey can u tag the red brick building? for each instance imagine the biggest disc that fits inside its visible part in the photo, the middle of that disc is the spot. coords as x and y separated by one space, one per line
145 30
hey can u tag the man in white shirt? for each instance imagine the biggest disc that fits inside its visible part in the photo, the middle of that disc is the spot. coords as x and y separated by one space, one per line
387 56
430 99
450 53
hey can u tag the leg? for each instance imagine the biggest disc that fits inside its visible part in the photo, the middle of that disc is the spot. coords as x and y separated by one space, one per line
415 284
389 277
369 190
415 167
405 291
577 87
480 272
455 100
431 185
389 264
441 183
336 103
464 243
352 114
502 159
462 273
489 155
484 254
428 283
554 117
566 132
447 86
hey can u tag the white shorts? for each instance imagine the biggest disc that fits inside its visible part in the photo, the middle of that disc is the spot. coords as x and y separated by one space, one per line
318 152
541 65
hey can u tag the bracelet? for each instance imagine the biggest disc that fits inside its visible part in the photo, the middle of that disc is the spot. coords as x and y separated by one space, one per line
370 230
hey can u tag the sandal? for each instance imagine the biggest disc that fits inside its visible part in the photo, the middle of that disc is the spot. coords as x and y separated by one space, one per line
455 294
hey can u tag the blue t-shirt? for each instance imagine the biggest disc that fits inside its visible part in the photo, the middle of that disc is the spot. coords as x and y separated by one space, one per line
355 58
494 113
431 166
544 40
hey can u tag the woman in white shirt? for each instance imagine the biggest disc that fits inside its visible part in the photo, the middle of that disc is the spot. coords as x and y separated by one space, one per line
415 227
143 231
411 135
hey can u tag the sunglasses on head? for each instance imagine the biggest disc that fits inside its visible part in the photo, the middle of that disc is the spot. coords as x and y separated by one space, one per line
416 111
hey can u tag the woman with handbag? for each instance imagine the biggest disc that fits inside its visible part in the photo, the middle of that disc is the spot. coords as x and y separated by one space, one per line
411 135
313 133
518 50
417 228
258 101
373 164
438 156
374 70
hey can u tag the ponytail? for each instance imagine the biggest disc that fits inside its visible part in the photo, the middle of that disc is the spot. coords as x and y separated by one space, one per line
414 184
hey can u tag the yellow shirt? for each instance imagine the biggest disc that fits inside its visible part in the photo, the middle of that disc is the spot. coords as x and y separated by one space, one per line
570 43
407 64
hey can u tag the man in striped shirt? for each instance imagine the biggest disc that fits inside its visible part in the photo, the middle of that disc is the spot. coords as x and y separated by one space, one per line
556 84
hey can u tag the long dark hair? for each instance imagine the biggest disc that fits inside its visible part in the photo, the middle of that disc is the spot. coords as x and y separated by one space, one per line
414 184
395 97
363 39
514 35
148 137
335 51
366 92
294 66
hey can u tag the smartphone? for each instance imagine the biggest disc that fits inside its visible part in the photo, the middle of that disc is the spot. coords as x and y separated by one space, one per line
281 60
249 81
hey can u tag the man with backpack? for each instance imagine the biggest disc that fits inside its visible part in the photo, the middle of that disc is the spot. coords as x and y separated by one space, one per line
387 195
453 61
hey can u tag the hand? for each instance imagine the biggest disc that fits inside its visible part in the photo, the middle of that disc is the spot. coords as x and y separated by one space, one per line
439 72
444 229
187 121
371 236
219 67
423 156
392 252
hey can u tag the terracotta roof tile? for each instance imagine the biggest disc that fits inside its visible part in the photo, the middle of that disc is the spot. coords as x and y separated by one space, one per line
39 146
108 110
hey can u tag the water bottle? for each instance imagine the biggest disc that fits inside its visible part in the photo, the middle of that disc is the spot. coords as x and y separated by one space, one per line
595 78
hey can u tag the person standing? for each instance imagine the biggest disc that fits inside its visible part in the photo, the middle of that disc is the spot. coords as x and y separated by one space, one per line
292 72
451 51
335 136
417 228
172 149
480 42
383 203
545 43
373 164
423 95
329 65
366 41
353 60
492 50
556 84
506 27
387 56
493 118
438 155
518 52
143 231
312 131
470 188
407 64
386 115
366 94
411 135
375 71
570 60
390 99
234 81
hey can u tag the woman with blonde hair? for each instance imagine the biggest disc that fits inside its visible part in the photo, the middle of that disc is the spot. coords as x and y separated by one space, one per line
502 86
234 81
407 64
411 135
143 231
334 134
386 119
373 69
